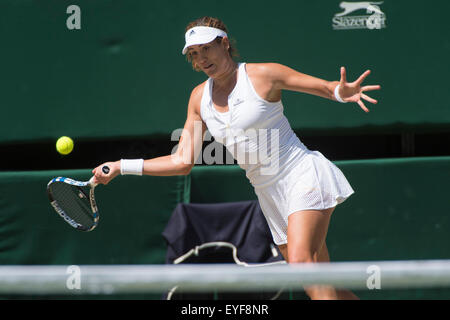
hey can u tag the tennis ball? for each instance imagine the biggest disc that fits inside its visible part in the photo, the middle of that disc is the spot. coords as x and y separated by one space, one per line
64 145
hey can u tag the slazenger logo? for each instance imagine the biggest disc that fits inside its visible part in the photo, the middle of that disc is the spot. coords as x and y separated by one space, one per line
374 18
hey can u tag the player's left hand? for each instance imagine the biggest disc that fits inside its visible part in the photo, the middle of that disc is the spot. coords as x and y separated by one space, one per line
354 92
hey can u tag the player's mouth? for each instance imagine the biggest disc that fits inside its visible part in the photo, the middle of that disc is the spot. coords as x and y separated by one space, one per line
208 67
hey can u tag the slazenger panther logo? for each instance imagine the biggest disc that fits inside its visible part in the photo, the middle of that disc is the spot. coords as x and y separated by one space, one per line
374 17
349 7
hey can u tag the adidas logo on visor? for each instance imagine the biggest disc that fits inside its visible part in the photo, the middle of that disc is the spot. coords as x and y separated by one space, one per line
192 32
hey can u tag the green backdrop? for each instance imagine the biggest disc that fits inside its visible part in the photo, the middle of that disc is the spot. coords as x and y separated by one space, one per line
133 213
122 74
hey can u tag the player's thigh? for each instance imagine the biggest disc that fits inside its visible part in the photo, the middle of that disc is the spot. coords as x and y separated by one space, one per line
307 231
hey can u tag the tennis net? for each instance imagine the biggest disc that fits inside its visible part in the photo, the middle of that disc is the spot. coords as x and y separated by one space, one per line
127 279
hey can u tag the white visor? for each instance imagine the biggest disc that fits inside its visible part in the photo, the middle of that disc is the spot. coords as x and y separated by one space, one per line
201 35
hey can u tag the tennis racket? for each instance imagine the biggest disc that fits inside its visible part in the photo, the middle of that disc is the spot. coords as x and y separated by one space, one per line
74 201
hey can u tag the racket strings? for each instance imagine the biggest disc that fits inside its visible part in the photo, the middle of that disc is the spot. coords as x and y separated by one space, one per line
74 201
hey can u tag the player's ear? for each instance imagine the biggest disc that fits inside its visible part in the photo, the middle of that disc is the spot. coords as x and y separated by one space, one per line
225 43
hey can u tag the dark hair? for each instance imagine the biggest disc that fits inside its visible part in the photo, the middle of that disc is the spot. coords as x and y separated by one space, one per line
214 23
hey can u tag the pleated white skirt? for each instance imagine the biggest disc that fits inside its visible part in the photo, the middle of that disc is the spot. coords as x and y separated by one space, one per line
315 183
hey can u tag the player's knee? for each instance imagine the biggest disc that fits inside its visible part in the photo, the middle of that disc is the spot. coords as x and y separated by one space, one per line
302 256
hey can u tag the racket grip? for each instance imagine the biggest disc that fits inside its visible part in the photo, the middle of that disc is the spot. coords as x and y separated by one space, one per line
91 182
105 169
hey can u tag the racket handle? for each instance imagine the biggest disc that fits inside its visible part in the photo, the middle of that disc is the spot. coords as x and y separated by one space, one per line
91 182
105 170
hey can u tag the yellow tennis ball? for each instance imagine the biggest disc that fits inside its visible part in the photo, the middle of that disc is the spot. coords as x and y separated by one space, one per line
64 145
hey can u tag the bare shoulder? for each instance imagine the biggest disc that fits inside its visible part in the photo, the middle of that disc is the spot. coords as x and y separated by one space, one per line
265 78
268 69
196 98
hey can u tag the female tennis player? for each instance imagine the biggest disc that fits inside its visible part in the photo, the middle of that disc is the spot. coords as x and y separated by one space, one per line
240 104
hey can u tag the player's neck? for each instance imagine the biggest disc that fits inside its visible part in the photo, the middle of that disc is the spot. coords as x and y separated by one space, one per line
228 77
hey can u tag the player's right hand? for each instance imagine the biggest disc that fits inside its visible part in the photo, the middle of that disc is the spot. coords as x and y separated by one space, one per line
104 178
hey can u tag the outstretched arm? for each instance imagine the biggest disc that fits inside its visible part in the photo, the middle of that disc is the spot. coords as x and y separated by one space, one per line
285 78
178 163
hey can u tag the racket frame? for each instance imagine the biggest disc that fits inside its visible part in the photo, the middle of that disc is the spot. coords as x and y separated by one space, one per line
63 214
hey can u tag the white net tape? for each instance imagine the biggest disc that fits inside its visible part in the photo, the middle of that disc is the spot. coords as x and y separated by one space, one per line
121 279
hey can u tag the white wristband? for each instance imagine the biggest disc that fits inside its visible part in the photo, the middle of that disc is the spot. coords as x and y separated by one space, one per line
337 96
132 166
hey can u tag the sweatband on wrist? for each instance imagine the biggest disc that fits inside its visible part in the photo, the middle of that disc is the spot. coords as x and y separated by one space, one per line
131 166
337 96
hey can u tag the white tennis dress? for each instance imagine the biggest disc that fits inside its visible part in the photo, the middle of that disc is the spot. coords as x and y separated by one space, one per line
286 175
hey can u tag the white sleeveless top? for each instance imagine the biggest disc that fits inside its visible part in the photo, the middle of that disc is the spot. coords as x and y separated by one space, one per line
254 131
